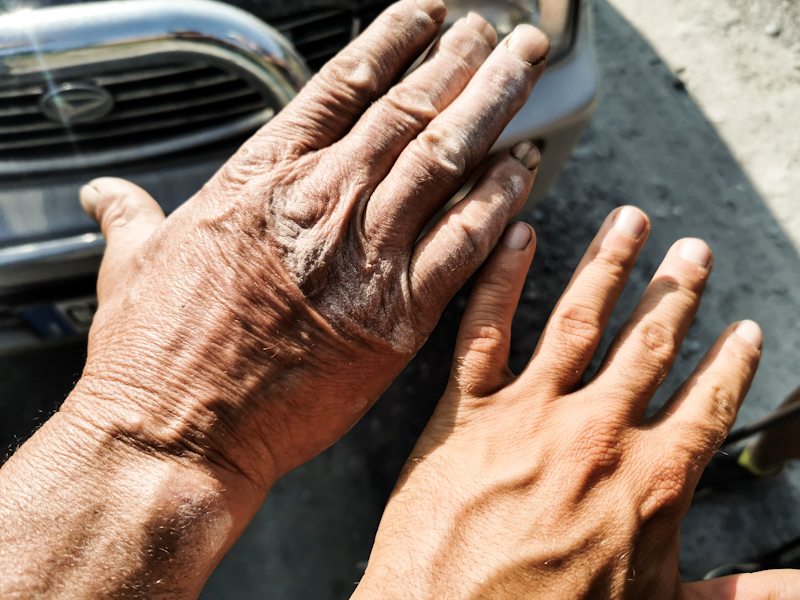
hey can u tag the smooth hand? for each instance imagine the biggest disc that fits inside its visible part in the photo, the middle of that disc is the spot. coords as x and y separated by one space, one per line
544 485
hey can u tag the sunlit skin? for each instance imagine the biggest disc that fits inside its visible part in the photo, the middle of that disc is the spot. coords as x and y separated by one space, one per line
539 485
248 331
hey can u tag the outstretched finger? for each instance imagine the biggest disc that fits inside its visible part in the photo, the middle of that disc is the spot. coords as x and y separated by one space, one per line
398 116
335 97
128 216
777 584
450 253
645 348
574 330
700 414
480 364
442 157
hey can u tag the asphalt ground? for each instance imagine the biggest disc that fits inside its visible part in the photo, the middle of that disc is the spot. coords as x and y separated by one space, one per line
650 145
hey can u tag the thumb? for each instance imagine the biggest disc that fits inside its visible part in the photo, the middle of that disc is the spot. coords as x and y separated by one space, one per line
484 338
779 584
127 216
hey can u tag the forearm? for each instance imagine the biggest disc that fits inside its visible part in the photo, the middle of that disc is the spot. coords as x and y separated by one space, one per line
84 514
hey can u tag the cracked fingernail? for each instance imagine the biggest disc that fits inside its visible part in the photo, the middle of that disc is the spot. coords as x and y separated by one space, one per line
751 332
479 24
630 220
517 236
527 154
695 251
529 43
435 9
89 197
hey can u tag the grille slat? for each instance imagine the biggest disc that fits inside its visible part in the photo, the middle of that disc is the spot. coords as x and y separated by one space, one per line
137 128
171 88
152 105
138 75
16 93
19 109
161 102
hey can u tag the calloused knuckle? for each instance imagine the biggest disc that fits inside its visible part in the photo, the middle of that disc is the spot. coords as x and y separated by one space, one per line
410 106
441 156
356 74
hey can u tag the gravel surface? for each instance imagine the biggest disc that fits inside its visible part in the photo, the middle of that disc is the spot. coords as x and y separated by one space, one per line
649 144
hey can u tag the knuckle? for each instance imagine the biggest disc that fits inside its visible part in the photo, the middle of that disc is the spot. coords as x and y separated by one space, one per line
441 157
599 440
668 488
659 341
509 75
407 107
722 404
465 47
597 450
354 75
577 324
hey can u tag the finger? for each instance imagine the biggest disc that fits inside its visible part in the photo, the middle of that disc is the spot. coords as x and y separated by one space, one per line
643 351
127 216
700 414
480 364
450 253
440 159
573 332
336 96
397 117
777 584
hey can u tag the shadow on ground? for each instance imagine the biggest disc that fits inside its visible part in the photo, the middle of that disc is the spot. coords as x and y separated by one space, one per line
648 145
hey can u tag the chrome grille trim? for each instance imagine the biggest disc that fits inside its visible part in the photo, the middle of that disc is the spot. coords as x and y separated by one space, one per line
182 75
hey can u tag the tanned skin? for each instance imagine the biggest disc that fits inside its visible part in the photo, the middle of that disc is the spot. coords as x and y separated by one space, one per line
248 331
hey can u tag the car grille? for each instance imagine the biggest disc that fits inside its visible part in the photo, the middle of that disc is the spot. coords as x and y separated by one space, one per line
152 104
318 36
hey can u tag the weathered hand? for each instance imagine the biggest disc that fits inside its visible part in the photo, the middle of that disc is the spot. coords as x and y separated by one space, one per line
541 486
255 325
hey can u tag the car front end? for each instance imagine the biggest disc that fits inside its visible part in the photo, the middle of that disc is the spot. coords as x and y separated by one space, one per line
163 93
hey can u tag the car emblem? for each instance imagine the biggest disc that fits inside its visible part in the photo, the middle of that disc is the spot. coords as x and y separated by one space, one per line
70 103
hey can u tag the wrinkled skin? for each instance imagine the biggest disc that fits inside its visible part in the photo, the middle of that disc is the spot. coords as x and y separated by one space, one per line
274 307
541 486
248 331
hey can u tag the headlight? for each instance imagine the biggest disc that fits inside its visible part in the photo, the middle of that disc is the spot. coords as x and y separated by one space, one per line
554 17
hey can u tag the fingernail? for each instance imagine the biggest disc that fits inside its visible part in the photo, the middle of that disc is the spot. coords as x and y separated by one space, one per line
527 154
750 331
479 24
631 221
89 197
529 43
695 251
517 236
435 9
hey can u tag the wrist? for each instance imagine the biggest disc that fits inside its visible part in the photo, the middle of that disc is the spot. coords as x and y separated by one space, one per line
94 505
